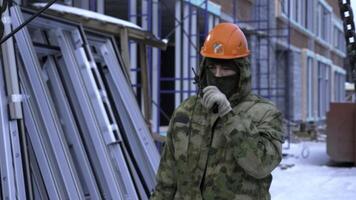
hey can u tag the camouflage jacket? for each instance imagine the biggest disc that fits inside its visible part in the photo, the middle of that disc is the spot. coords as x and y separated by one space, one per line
208 157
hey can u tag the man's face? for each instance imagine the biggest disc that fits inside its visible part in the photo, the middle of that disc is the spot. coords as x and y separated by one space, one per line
223 74
221 70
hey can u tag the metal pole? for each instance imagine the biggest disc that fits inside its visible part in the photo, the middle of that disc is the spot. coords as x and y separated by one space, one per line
177 51
145 83
21 162
189 49
350 36
157 54
268 49
288 78
132 12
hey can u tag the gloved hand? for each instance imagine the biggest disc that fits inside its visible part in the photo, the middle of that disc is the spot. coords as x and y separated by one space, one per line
213 95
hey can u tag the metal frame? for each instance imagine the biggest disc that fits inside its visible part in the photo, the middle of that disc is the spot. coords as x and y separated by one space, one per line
150 21
178 54
187 38
45 110
15 173
54 190
84 141
260 24
156 66
39 188
7 171
264 33
135 130
87 93
71 130
95 42
133 46
81 73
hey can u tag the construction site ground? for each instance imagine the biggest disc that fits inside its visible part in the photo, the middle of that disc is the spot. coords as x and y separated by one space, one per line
306 173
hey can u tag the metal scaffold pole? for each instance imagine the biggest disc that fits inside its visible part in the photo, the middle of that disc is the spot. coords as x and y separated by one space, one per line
265 35
347 16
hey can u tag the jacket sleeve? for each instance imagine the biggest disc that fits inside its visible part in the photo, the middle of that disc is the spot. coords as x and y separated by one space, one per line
256 146
166 176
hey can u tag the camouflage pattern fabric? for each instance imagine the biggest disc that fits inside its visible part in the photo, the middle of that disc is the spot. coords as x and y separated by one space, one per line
208 157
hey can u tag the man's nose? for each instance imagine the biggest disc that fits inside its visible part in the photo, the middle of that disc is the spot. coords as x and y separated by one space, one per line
219 72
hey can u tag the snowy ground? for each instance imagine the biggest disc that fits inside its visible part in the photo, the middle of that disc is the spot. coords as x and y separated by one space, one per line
312 178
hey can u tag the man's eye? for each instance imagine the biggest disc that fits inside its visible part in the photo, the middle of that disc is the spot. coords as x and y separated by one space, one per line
211 67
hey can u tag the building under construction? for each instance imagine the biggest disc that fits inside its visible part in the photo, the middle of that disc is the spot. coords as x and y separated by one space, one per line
293 53
88 86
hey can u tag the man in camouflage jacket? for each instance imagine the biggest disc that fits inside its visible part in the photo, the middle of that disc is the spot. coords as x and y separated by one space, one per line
224 155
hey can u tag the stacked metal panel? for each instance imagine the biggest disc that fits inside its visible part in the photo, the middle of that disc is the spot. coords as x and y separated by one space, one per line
87 136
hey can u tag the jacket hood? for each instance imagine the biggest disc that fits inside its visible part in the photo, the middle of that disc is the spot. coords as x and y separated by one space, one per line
244 83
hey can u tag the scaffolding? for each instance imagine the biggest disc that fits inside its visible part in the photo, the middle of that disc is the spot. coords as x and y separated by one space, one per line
265 35
192 21
92 131
186 57
188 34
147 15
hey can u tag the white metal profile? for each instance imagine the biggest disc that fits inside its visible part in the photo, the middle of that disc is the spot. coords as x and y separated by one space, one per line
45 111
139 138
87 135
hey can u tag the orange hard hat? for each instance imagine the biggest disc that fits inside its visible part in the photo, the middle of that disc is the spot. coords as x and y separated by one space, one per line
225 41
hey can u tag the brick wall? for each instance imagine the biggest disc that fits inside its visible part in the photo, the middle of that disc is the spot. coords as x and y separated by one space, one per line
244 8
319 49
335 5
337 60
299 39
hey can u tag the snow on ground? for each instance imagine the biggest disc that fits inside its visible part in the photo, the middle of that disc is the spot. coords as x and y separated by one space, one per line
312 178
